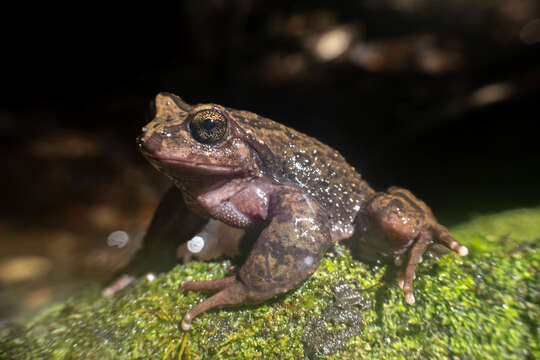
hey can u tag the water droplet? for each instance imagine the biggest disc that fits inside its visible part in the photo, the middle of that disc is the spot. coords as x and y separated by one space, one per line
196 244
118 239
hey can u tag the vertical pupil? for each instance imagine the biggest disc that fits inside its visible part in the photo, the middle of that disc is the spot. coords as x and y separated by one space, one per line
208 124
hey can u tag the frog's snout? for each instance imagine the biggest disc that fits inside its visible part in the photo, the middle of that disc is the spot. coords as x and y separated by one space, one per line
149 145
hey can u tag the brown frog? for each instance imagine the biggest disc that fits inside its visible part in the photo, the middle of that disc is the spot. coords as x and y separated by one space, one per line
298 195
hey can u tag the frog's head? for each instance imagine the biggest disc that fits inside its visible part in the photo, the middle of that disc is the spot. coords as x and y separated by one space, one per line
199 141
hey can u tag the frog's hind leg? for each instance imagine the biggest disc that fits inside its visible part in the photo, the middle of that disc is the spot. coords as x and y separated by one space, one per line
285 254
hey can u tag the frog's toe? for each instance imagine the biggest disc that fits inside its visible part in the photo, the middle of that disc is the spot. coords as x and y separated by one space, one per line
444 237
232 293
409 271
117 285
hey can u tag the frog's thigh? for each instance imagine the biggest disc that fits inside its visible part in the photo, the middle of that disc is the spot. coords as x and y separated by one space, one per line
274 267
286 253
289 249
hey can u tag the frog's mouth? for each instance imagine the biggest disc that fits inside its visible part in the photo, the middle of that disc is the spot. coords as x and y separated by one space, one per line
181 168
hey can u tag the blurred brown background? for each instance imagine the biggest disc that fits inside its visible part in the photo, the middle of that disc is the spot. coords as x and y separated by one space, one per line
439 97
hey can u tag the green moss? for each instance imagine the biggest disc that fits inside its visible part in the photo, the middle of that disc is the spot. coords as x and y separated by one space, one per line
483 306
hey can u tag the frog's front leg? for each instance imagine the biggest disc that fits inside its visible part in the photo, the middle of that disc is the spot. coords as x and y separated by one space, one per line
396 225
286 253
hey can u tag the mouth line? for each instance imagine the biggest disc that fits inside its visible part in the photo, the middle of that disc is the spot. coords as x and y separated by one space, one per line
196 167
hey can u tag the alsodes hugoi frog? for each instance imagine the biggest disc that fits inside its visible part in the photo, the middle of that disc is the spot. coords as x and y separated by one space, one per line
238 170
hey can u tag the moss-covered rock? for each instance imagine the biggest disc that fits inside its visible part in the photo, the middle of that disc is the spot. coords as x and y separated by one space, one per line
485 305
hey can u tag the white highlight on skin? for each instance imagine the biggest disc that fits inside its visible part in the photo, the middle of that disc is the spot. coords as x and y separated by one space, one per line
196 244
262 195
308 260
309 203
310 220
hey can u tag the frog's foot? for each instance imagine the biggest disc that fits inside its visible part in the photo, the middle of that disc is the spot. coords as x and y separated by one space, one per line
122 282
232 292
271 277
285 254
117 285
407 274
407 226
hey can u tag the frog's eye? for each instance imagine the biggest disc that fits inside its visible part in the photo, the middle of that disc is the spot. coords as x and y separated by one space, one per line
208 126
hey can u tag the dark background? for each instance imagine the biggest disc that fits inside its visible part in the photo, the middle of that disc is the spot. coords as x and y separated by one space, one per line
438 97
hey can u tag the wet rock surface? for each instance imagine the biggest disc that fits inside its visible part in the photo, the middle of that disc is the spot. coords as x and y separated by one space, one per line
482 305
343 317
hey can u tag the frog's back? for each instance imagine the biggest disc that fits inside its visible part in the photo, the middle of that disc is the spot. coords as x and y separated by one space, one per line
315 167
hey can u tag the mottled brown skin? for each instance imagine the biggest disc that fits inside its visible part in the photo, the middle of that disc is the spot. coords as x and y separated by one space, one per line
297 194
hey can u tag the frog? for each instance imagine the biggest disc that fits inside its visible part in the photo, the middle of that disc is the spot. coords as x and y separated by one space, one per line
297 196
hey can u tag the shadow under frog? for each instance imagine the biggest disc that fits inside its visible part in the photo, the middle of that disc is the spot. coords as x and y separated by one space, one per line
245 182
